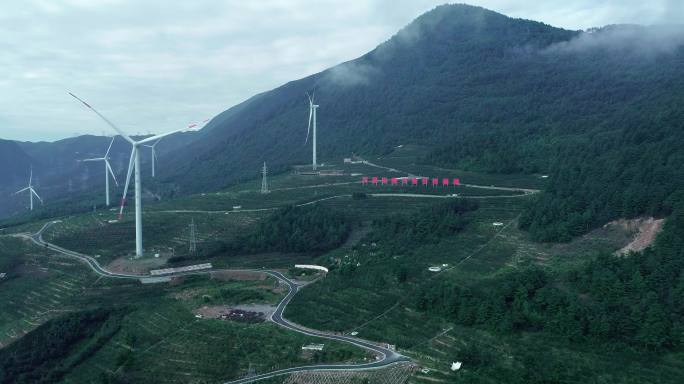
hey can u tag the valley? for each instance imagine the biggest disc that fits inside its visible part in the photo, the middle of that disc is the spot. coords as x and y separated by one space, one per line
373 302
474 198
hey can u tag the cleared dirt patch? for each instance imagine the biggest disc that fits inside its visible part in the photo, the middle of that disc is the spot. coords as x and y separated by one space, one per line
187 294
357 234
135 266
645 231
246 312
238 275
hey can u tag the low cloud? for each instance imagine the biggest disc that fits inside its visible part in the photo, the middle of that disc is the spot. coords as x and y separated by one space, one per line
351 74
642 40
154 65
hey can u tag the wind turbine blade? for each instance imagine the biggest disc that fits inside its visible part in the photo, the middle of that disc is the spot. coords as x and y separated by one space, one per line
125 136
21 190
190 128
159 136
128 180
110 147
31 176
36 194
109 168
308 128
93 159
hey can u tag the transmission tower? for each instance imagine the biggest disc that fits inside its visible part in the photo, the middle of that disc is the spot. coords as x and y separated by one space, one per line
264 179
193 237
251 372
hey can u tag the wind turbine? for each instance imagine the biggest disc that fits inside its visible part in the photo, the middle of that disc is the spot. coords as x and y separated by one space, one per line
134 163
30 189
108 169
154 154
312 116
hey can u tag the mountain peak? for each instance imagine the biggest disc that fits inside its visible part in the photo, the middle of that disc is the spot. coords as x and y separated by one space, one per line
452 29
462 21
465 12
449 18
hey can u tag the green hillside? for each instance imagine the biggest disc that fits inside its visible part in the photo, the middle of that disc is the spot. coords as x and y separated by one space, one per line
517 273
600 112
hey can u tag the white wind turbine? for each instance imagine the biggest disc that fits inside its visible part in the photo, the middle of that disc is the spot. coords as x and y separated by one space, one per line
312 116
154 154
134 163
108 169
30 189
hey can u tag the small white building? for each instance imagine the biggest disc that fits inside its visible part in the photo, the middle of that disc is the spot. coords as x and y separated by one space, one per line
455 366
313 347
189 268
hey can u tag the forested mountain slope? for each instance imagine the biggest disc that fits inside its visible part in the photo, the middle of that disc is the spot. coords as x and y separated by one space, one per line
600 111
415 87
59 176
17 163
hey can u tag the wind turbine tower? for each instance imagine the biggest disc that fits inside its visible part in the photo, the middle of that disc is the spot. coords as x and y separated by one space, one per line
312 117
108 169
134 164
264 180
154 154
31 190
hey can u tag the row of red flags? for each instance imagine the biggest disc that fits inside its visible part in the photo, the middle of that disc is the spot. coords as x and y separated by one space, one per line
445 182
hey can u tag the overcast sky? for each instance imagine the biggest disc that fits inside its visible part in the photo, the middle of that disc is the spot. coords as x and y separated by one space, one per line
150 66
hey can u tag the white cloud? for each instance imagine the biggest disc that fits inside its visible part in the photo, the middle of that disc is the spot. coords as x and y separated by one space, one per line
153 64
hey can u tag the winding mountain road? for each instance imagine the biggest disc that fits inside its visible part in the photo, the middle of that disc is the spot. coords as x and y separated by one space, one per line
525 192
385 356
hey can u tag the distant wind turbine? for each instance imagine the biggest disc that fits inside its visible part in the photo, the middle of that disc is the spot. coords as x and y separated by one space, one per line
108 169
154 154
30 189
312 116
134 163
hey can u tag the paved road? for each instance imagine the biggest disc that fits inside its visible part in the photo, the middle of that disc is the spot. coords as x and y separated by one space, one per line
385 356
525 192
37 238
253 209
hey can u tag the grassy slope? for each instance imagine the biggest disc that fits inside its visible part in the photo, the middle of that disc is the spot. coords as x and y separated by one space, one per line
159 337
373 304
186 346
